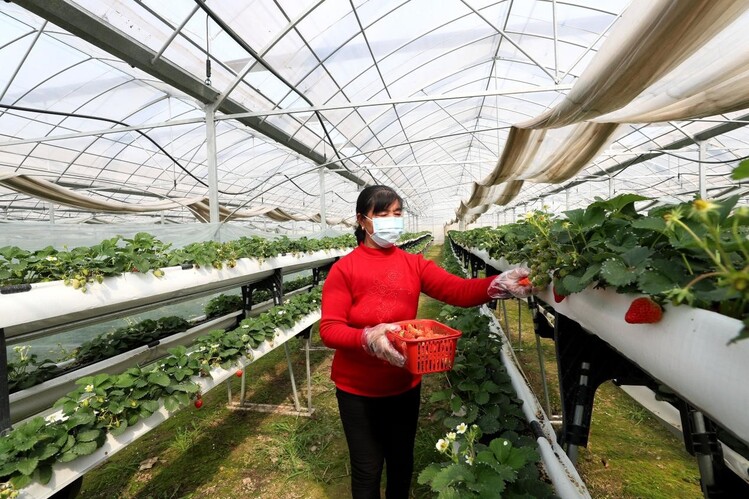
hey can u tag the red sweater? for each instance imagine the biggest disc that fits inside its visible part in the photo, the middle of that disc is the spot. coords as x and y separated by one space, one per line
371 286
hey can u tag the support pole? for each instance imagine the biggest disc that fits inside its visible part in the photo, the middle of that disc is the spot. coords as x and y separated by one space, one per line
5 424
701 170
297 405
51 213
210 131
520 327
323 220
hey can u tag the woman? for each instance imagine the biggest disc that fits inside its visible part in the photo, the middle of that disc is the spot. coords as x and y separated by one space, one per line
367 290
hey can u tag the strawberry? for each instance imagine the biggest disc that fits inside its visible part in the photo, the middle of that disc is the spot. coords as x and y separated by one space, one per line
524 282
557 297
198 403
239 373
643 310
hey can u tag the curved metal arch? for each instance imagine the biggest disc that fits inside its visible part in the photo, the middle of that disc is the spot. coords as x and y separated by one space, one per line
369 122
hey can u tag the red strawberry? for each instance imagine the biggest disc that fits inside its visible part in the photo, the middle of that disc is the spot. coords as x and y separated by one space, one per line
524 282
643 310
198 403
557 297
239 373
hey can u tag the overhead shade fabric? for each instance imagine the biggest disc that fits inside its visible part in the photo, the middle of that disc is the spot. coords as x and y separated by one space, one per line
658 64
49 191
202 209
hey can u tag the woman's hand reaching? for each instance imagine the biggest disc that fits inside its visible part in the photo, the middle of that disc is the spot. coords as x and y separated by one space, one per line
513 282
375 342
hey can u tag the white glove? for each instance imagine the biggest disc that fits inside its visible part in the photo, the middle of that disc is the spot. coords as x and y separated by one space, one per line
507 285
375 342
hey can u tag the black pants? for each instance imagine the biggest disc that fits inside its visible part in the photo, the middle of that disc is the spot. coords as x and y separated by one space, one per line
380 430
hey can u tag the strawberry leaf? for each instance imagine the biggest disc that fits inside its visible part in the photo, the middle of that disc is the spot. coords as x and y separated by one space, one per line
616 273
635 256
27 466
45 474
653 282
573 284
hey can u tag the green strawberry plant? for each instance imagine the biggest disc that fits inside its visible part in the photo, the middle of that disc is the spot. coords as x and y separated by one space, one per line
79 267
485 455
109 404
473 469
692 253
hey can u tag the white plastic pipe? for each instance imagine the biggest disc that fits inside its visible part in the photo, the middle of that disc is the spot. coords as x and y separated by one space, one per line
562 473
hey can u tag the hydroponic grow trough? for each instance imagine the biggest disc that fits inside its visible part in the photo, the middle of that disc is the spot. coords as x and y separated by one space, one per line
66 473
688 350
51 306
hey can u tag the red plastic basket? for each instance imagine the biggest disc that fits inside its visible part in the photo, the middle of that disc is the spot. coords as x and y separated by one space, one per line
431 355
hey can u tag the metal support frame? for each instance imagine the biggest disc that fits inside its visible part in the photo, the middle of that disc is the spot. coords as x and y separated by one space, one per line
476 265
274 283
294 409
5 424
212 163
542 329
491 271
701 439
702 181
323 216
317 272
584 362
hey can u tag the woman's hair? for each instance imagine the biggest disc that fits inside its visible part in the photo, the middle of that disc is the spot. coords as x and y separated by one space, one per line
374 198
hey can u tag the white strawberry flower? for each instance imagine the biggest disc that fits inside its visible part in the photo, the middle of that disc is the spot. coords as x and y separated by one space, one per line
469 460
461 428
442 445
451 436
89 388
53 418
51 258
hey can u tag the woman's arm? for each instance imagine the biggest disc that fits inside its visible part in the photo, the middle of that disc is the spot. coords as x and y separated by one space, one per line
336 304
449 288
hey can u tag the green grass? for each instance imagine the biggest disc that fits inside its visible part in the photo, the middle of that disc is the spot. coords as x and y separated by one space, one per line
629 454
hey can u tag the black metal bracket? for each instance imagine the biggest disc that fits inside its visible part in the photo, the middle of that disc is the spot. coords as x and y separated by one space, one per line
317 272
491 271
584 362
273 283
541 325
477 265
5 424
701 440
304 333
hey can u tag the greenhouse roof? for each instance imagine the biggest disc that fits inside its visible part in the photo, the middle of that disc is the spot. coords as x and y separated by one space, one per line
466 107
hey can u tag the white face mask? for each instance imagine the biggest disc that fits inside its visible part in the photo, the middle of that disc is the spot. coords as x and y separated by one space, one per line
385 230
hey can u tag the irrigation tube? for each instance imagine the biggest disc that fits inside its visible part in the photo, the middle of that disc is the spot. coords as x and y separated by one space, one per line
561 471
